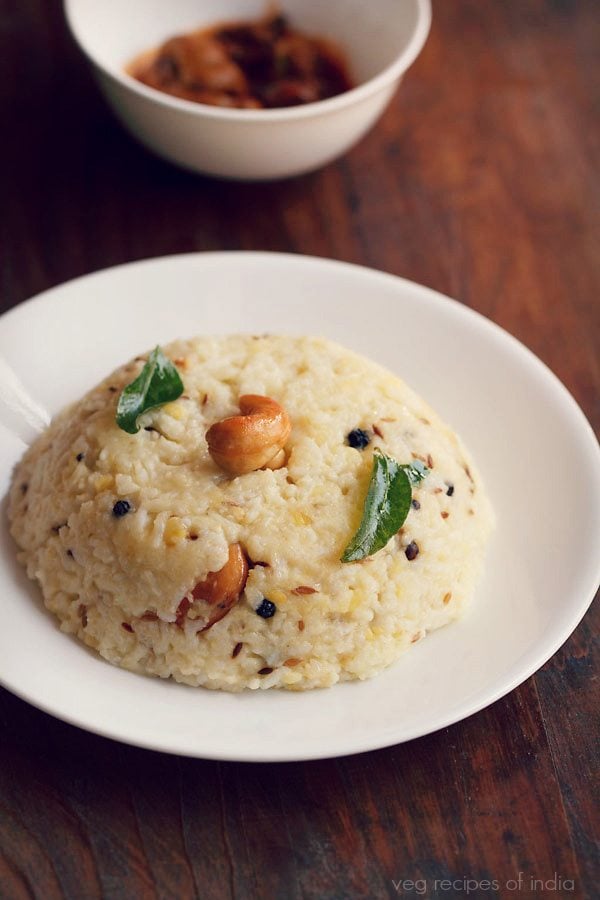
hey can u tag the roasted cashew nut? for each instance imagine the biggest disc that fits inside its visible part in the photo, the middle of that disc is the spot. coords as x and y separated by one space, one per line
253 440
221 589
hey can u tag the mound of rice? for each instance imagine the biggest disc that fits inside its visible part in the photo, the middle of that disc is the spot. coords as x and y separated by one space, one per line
118 581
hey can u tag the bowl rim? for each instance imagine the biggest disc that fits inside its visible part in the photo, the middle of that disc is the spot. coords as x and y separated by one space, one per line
387 76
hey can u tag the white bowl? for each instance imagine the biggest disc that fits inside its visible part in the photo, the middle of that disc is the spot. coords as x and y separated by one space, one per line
381 39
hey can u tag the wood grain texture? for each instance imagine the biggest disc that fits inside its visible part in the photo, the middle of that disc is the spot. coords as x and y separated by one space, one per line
481 180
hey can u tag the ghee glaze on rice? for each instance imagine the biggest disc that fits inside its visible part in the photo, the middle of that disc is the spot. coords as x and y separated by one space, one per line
123 532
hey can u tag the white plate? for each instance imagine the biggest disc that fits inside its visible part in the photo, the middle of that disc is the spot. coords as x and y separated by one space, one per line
536 452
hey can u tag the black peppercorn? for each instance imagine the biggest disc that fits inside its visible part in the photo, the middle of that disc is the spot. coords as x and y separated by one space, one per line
412 551
450 490
266 609
358 439
121 508
415 504
79 457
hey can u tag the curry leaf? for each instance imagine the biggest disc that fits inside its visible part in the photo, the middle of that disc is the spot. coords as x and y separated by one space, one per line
158 383
416 471
385 510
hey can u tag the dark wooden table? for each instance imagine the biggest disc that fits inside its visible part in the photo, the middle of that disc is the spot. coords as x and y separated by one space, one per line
481 181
